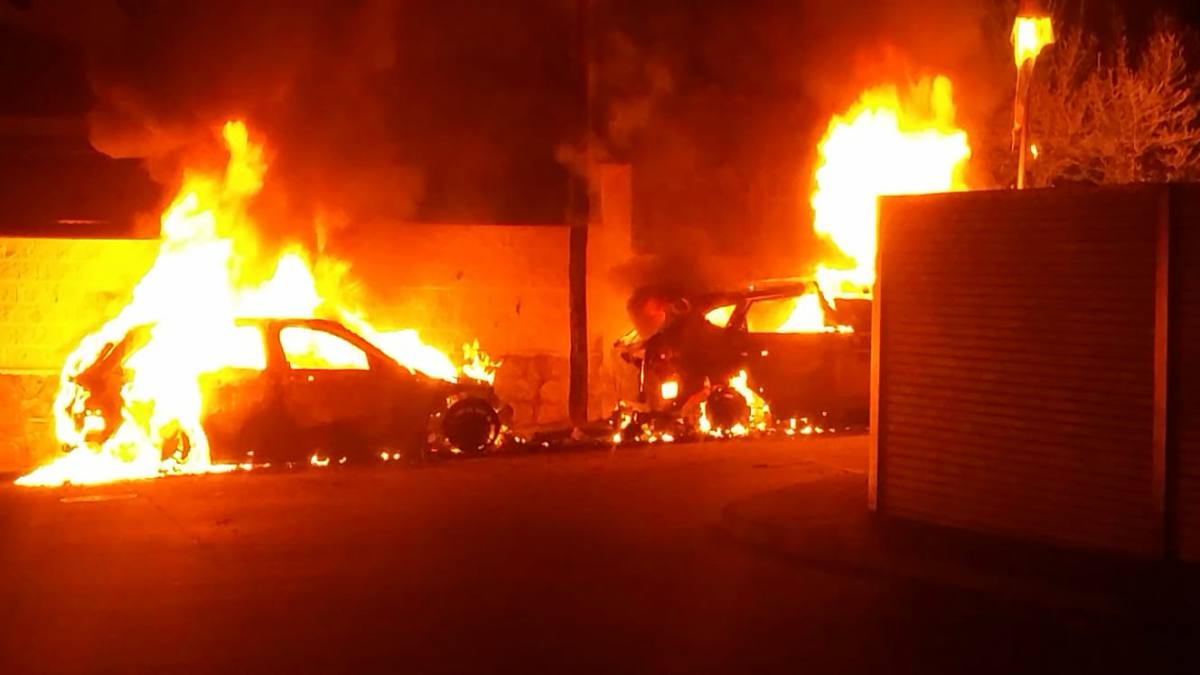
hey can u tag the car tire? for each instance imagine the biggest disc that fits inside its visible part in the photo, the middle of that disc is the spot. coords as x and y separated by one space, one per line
471 425
727 408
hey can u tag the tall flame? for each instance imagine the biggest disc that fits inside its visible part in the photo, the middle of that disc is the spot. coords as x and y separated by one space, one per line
1031 34
190 300
888 143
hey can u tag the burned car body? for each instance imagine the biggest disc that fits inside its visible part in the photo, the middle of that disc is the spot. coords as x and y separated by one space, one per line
688 347
297 405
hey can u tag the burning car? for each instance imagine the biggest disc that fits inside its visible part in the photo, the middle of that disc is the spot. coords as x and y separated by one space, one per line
318 391
176 383
779 345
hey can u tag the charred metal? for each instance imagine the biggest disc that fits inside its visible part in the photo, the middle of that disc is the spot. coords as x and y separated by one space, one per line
288 412
692 351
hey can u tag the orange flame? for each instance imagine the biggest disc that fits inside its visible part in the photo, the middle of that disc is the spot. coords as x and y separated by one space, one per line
1031 34
758 410
886 144
808 316
192 300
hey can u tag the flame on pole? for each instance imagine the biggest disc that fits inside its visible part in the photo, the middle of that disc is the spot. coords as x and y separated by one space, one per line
1032 32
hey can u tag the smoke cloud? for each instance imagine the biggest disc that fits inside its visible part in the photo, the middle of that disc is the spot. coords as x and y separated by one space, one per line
723 157
374 111
378 111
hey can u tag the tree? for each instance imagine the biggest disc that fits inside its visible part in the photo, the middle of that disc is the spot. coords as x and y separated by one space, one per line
1116 116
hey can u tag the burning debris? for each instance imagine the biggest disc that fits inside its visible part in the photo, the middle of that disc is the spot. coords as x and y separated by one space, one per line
138 398
728 410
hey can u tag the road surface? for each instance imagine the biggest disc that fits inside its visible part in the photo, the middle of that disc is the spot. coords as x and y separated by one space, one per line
574 562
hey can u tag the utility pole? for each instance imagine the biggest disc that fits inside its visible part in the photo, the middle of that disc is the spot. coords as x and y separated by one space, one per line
1033 31
578 216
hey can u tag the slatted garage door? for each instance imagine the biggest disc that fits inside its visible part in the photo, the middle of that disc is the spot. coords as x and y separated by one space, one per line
1185 369
1015 375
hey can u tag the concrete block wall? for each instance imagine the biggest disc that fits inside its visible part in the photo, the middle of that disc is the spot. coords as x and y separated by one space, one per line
55 291
504 285
52 293
27 426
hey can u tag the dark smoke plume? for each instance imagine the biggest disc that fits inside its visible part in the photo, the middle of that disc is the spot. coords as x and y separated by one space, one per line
374 111
723 157
378 110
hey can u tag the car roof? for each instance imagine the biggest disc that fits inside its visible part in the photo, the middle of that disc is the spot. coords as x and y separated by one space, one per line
768 288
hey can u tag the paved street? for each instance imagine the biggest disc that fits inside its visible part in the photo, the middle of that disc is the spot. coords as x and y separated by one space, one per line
584 561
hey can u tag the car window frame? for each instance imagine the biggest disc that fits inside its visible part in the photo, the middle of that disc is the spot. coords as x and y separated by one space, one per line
371 360
741 315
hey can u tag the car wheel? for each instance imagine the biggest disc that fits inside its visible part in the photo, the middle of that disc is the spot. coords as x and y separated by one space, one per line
727 408
471 425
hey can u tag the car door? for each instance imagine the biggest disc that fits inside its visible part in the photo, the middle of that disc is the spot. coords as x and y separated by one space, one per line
331 389
851 359
788 358
239 396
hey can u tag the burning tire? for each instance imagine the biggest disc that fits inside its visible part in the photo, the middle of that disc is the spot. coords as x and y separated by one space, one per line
471 425
727 408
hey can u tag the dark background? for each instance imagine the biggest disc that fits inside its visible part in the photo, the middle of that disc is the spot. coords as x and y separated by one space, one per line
468 111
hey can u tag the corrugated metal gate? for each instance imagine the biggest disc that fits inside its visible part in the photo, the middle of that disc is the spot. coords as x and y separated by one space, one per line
1184 366
1019 380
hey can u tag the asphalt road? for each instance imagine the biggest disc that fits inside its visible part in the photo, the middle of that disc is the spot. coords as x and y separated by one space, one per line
587 561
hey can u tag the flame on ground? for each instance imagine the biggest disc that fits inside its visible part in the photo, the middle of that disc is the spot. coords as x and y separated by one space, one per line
190 300
888 143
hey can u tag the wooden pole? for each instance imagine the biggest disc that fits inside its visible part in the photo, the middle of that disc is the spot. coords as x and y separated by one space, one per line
579 213
1026 75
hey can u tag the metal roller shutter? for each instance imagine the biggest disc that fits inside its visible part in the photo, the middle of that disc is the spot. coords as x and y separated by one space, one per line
1015 376
1185 369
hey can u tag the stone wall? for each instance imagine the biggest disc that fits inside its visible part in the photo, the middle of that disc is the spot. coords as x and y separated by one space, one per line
55 291
504 285
27 426
52 293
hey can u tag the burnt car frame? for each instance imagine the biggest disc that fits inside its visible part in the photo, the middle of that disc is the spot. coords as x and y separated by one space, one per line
817 375
291 409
